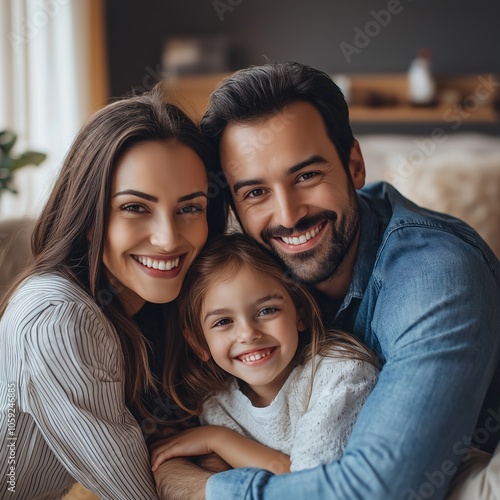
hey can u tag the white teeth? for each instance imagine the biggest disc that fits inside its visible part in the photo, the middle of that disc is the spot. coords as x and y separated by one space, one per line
255 356
162 265
299 240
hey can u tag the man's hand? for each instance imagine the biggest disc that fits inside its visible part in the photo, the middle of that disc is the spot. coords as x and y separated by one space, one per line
180 479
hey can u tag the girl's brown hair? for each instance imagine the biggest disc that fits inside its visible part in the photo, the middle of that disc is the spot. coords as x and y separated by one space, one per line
193 374
70 233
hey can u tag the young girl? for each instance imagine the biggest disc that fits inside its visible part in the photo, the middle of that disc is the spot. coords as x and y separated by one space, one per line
272 388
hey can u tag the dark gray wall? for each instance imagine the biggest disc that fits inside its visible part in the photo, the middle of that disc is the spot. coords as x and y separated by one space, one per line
463 36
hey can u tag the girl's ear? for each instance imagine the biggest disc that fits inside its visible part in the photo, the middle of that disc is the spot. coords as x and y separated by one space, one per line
300 324
200 351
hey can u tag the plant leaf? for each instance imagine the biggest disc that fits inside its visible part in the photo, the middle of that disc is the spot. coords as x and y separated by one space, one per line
7 140
29 158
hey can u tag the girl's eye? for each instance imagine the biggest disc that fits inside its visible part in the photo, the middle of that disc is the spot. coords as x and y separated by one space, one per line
222 322
306 176
193 208
267 310
133 208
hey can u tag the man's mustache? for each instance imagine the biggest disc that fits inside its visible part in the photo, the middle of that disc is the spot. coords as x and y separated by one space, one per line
303 225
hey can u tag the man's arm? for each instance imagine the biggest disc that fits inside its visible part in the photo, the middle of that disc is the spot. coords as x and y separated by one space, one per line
439 335
180 479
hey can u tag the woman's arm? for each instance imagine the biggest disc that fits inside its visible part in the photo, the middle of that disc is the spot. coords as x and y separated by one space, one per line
74 392
235 449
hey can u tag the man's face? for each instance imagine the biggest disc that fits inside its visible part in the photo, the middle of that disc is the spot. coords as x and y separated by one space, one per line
291 191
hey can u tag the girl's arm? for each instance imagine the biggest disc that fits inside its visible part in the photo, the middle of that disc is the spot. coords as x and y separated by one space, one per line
235 449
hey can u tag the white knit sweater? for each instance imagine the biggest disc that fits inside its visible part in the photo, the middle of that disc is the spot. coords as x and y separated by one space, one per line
311 427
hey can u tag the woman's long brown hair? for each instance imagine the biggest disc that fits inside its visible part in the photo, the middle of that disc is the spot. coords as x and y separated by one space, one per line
193 375
70 233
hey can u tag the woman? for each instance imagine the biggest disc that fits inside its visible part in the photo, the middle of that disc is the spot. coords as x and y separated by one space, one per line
129 212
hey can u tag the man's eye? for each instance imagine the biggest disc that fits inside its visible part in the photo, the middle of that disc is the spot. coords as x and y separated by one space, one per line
307 175
254 193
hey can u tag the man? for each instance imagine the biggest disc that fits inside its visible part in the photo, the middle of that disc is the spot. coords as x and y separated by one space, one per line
420 288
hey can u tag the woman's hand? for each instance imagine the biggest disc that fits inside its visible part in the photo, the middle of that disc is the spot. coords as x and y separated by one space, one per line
191 442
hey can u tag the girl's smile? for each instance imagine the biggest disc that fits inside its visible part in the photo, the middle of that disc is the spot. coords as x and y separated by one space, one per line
251 328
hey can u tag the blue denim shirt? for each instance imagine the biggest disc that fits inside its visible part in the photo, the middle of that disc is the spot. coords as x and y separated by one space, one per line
425 296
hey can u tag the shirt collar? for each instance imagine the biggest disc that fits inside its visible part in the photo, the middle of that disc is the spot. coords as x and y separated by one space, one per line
366 254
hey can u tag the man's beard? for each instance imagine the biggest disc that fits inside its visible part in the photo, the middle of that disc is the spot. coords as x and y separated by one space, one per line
322 262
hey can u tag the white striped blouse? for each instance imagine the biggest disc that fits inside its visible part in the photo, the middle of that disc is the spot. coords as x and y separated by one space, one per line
63 416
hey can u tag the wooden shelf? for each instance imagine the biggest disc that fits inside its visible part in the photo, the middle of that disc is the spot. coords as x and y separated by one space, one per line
416 114
376 98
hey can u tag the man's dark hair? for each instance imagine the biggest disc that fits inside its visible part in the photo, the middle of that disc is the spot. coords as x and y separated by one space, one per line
256 93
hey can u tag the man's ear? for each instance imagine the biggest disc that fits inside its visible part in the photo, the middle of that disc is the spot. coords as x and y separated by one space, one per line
357 166
200 351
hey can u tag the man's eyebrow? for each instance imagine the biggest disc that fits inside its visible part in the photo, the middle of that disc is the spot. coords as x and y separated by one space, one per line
154 199
303 164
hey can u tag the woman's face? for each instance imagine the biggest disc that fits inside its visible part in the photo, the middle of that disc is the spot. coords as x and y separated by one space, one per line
157 222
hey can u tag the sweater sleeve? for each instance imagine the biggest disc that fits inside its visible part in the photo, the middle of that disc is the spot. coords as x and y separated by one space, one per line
339 390
75 393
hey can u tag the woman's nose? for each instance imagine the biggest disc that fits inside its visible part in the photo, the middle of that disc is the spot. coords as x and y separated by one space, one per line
164 234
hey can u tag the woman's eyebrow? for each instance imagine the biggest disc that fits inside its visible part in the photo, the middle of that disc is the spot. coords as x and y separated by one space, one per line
192 196
154 199
139 194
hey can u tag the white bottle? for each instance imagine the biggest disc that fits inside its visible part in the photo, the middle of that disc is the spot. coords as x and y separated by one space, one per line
421 86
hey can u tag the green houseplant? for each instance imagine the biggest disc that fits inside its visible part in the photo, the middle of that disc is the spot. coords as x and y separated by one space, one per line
9 164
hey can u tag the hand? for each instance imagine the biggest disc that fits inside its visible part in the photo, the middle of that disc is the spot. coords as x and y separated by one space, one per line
179 479
191 442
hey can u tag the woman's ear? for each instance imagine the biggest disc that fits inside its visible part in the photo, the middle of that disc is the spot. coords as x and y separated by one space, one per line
200 351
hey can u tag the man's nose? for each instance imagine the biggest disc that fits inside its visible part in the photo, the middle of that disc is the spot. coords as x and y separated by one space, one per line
289 208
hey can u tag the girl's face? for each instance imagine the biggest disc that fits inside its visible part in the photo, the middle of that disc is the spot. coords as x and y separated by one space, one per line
251 327
157 222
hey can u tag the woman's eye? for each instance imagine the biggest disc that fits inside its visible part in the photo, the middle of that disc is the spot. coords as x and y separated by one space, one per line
191 209
133 208
307 175
222 322
267 310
